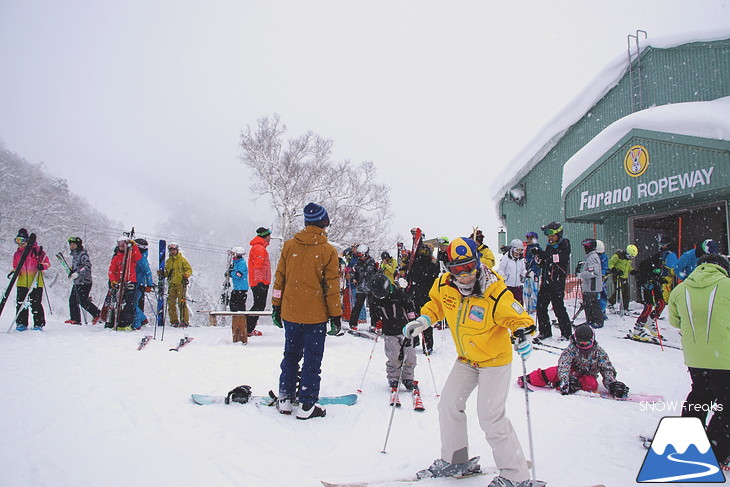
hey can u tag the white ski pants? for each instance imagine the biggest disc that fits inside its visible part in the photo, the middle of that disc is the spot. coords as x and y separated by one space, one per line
493 383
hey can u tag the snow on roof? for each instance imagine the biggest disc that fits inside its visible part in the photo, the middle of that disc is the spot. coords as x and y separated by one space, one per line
555 129
708 119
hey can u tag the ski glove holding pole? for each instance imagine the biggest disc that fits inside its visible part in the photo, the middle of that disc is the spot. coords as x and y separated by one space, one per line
335 325
417 326
523 341
276 316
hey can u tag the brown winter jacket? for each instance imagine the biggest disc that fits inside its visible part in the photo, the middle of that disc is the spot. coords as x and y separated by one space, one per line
307 279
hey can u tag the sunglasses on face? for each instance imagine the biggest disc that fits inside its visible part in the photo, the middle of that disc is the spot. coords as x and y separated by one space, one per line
462 269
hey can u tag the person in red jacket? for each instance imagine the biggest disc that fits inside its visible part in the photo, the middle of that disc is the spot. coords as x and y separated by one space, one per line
28 285
127 278
259 275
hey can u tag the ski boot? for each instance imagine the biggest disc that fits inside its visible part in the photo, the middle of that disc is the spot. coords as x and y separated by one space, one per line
20 327
310 411
442 468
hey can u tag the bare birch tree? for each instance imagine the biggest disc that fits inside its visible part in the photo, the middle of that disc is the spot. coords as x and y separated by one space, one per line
300 170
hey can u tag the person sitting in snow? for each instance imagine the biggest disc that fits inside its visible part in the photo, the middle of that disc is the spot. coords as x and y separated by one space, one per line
578 368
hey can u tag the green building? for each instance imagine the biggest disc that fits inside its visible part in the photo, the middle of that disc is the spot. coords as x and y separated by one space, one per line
643 150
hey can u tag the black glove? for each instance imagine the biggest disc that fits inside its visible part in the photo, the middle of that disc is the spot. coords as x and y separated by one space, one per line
534 251
240 394
634 272
185 281
618 389
570 387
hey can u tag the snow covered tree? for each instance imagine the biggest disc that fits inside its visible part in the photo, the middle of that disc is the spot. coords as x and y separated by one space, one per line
294 172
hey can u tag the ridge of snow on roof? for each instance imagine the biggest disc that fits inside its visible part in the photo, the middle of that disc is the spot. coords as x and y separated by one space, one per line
708 119
548 137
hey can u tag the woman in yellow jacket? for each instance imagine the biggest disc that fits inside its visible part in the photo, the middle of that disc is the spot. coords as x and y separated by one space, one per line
482 316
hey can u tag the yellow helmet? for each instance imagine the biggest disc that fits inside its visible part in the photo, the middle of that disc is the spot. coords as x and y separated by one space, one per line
632 250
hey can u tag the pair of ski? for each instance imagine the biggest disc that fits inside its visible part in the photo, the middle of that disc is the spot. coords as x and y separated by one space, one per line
652 341
415 392
649 398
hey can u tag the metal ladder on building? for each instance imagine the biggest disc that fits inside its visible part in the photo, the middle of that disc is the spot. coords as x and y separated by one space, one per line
635 81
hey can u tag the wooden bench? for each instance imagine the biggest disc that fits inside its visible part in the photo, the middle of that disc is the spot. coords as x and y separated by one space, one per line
238 318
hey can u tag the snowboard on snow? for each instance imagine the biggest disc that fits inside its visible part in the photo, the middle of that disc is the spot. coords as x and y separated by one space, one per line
651 398
205 400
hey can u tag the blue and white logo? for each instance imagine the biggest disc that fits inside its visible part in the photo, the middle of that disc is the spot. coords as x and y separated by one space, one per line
680 452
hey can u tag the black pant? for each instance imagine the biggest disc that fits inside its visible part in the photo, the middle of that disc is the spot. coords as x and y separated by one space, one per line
708 386
238 300
80 296
552 293
592 308
624 285
360 299
260 292
128 308
36 306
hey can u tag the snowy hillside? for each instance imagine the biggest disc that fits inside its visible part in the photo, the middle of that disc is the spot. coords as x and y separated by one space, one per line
84 408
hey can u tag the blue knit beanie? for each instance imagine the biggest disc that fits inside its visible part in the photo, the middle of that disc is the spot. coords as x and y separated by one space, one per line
314 214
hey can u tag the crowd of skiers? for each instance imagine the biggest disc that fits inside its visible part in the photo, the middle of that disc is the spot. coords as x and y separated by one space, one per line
440 283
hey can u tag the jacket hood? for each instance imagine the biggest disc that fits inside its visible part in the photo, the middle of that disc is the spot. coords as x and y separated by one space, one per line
258 241
706 275
311 235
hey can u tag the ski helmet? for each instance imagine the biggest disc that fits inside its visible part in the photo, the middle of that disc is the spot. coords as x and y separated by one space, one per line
122 238
478 236
75 240
589 244
710 246
385 256
463 256
531 235
141 243
583 337
600 246
380 286
632 250
363 249
173 245
552 228
238 250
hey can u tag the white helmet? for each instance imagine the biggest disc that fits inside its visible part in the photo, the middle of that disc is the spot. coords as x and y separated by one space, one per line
239 250
516 244
600 246
363 249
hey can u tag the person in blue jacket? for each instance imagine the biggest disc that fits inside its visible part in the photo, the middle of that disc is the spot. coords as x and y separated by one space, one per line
532 280
688 261
239 278
144 284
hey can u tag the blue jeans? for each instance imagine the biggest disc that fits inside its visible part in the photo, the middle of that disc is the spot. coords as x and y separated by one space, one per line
302 341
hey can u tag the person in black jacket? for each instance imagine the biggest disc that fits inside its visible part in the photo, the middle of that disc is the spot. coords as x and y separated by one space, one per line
393 311
650 281
424 272
363 271
554 262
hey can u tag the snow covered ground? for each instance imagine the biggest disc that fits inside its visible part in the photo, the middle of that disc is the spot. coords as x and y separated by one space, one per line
84 408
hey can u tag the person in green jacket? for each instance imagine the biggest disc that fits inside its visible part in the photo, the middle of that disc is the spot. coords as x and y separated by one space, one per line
700 308
177 272
619 267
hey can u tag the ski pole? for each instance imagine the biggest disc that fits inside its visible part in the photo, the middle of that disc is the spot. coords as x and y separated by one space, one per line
393 406
368 364
529 422
658 333
430 368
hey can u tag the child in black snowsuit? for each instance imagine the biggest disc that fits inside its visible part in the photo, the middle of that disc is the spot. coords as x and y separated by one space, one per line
392 311
649 280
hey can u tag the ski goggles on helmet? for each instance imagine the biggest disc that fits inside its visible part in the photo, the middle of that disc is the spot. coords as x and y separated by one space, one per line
551 231
462 268
172 247
74 240
20 240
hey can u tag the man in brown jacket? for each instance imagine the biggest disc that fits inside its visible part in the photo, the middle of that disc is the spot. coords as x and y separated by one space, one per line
305 298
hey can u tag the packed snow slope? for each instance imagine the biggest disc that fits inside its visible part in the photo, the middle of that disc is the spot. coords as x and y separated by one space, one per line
83 408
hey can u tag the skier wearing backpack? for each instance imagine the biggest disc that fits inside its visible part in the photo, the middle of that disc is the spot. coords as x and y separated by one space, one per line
82 281
30 283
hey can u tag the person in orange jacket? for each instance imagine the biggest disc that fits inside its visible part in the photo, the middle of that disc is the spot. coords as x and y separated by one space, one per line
259 275
127 278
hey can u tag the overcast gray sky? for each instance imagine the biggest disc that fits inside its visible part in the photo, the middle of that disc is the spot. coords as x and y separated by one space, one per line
143 101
